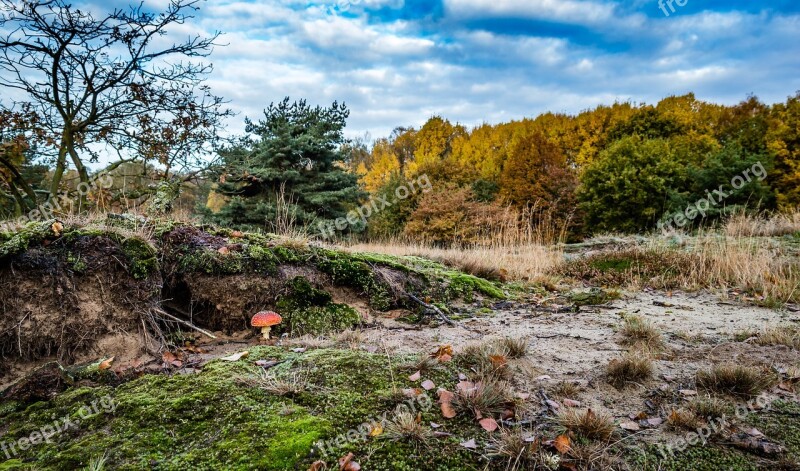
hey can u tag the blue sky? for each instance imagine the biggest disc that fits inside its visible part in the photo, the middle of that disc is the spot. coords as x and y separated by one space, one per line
398 62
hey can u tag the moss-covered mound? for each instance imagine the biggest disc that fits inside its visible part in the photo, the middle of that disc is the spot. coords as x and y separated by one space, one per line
236 416
66 289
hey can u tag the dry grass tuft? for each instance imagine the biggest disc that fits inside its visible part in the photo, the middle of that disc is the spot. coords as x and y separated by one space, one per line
486 398
587 424
352 338
486 361
291 385
593 456
514 348
683 419
709 407
783 335
736 380
406 426
746 225
513 446
638 330
566 390
631 368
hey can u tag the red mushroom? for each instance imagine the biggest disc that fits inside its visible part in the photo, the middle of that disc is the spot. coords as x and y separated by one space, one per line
266 320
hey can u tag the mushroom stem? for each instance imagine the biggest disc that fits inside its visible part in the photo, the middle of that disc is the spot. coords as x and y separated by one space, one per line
265 331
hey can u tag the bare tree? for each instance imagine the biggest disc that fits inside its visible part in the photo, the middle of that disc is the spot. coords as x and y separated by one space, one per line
116 80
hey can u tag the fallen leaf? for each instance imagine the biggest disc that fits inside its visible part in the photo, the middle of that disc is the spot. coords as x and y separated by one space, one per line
224 250
489 424
318 466
498 361
464 386
236 356
508 414
688 392
640 416
442 434
435 425
469 444
630 426
237 234
105 364
562 444
571 403
171 359
446 401
523 396
376 430
412 392
346 463
443 353
655 422
753 432
57 228
415 377
553 404
299 350
543 378
462 377
428 385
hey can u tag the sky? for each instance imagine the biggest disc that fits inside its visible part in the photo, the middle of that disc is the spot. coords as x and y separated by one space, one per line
399 62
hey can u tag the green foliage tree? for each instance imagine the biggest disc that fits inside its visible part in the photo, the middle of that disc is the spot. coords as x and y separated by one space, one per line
784 144
628 187
294 170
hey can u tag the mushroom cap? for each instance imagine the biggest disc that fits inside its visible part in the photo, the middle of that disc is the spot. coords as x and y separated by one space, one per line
266 319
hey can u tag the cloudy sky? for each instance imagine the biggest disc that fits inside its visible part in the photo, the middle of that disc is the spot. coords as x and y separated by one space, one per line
398 62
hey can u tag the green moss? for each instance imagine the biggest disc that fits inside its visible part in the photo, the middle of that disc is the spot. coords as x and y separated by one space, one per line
463 285
347 270
780 423
699 458
308 310
221 419
611 264
142 258
593 297
33 233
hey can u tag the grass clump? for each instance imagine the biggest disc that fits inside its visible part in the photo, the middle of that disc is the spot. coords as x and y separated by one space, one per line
683 419
514 348
709 407
587 424
736 380
406 426
783 335
483 398
631 368
638 330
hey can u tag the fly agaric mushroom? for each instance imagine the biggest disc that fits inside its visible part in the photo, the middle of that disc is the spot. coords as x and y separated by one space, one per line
266 320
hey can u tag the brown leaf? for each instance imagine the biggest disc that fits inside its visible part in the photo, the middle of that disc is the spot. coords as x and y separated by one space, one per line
237 234
412 392
443 353
57 228
346 463
562 444
376 430
318 466
489 424
106 364
224 250
571 403
415 377
446 401
498 361
428 385
630 426
171 359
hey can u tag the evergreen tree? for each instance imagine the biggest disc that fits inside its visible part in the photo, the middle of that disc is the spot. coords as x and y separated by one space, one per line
293 170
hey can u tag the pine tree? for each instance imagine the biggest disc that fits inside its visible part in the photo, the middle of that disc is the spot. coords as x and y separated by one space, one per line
293 170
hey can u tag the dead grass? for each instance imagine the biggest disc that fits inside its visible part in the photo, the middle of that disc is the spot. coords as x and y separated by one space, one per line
566 390
513 446
745 225
406 426
736 380
587 424
499 262
291 385
638 330
683 419
485 398
513 348
352 338
709 407
782 335
631 368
